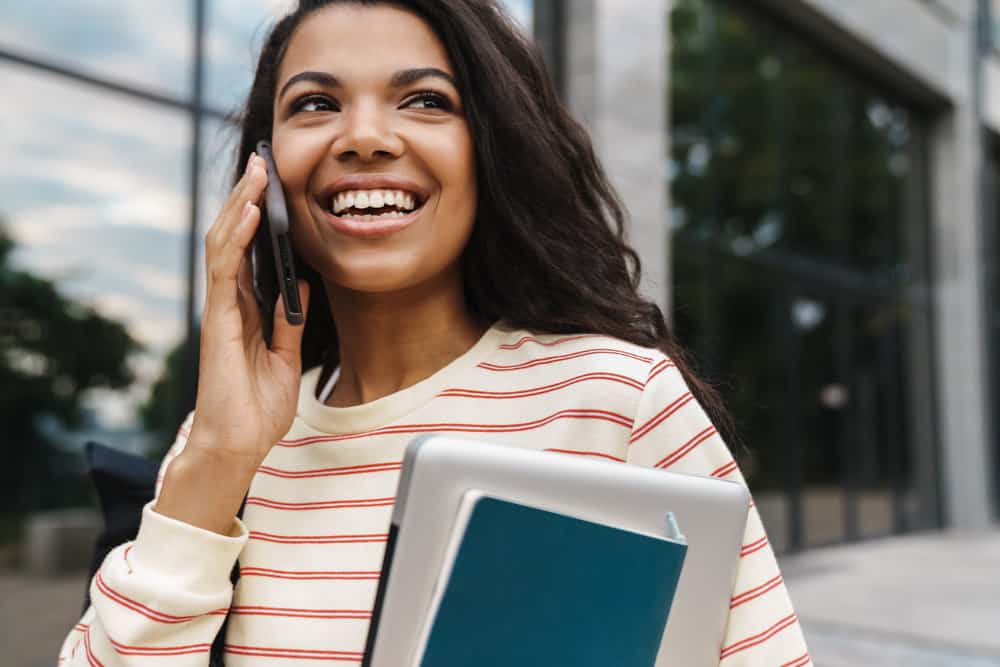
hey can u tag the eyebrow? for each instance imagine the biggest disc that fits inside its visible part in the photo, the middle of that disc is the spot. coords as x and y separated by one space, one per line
398 80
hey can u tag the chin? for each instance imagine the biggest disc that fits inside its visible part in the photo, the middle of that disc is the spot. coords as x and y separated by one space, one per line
378 274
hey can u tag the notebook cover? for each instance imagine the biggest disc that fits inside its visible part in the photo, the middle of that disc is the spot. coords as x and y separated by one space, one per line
533 587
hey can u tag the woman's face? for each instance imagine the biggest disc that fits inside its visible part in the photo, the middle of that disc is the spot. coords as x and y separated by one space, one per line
384 120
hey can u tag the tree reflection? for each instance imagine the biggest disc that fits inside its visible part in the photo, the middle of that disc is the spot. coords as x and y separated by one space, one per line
800 258
53 349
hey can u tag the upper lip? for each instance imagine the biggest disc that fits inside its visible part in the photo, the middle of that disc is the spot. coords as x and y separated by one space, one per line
372 182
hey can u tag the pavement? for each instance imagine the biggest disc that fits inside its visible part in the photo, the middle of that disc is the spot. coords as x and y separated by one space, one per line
924 600
928 600
36 614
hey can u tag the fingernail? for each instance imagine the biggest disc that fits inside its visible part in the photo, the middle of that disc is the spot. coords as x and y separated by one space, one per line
250 162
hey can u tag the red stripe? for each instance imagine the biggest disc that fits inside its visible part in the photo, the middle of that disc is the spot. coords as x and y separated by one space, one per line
724 470
320 505
91 658
561 357
310 575
536 391
661 416
755 593
659 368
603 415
81 626
318 539
759 638
753 547
125 649
559 341
125 558
685 449
582 453
140 608
289 612
800 661
305 654
332 472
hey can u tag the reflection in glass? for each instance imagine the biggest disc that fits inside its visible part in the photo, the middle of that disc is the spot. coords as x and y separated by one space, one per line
235 31
98 203
96 217
136 42
801 272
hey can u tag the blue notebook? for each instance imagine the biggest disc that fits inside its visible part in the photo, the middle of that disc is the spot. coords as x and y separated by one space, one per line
533 587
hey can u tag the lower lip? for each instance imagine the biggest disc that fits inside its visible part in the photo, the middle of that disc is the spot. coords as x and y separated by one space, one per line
370 229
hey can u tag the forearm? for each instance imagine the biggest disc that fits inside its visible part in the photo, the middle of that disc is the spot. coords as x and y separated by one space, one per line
204 489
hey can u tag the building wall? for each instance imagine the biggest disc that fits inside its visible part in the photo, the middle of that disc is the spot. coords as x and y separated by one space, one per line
927 50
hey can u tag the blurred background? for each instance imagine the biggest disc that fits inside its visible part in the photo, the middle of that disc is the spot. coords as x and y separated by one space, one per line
813 187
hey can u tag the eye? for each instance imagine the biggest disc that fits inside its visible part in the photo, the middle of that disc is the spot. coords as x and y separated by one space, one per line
428 99
302 103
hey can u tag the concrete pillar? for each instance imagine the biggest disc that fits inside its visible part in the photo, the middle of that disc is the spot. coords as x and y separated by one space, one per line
616 84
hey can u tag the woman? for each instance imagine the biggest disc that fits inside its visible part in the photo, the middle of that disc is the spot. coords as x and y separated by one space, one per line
462 275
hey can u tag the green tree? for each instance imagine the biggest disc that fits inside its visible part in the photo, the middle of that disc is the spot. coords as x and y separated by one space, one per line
52 350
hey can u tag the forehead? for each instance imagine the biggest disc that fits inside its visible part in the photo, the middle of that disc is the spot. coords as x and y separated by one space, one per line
356 42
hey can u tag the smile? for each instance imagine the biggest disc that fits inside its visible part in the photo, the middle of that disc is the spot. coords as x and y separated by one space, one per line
388 219
372 205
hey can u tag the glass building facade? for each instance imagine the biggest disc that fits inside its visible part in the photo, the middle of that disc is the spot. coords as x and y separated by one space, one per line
801 272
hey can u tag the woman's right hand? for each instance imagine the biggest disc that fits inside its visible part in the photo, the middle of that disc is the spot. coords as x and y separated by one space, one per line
247 393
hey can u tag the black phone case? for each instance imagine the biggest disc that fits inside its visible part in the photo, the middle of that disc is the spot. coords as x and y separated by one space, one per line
277 223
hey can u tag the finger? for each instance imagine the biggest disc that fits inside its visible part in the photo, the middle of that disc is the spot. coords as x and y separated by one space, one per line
249 308
250 189
225 264
287 340
234 201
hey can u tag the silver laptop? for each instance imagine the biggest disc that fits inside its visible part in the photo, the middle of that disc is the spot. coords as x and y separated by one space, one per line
438 470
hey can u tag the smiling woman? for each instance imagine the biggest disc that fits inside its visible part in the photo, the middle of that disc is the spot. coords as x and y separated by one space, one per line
465 270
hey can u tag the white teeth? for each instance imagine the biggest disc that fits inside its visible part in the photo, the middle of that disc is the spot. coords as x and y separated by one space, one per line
372 199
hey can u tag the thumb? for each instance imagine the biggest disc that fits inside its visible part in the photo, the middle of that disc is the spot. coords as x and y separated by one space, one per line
287 339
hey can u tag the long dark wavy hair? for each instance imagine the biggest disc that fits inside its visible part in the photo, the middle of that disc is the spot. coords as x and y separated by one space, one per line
548 251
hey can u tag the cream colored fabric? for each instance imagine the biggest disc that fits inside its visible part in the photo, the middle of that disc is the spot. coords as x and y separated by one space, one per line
313 533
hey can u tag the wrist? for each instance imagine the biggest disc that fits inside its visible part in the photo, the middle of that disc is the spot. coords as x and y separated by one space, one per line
204 451
204 490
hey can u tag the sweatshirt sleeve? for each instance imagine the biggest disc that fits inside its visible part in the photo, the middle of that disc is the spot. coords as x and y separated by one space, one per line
160 597
671 431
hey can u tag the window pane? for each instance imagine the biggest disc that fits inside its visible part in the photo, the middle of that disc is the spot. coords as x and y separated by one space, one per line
800 245
522 11
136 42
235 33
98 205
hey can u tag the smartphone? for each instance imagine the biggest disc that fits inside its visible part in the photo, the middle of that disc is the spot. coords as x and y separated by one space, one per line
271 257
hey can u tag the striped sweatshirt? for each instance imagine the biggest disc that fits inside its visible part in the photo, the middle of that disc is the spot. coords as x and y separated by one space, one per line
314 528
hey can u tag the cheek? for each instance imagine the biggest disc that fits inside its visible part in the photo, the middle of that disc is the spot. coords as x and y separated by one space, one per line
458 174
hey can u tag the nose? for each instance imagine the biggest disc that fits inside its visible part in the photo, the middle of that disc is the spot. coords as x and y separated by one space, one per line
368 134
